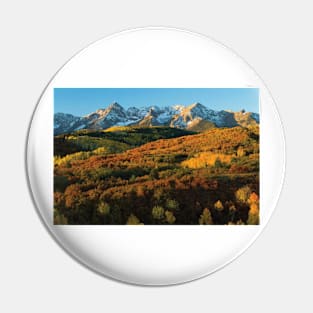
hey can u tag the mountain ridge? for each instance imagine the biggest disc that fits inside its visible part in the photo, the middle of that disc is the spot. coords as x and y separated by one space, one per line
192 117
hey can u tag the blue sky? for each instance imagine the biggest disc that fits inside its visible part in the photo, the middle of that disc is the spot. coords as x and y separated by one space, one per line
81 101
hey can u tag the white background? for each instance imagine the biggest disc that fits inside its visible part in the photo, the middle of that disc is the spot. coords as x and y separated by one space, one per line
37 37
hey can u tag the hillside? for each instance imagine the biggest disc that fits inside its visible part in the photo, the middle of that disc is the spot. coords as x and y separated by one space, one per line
159 175
114 139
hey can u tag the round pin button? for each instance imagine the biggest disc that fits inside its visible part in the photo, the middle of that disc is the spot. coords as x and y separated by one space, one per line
155 156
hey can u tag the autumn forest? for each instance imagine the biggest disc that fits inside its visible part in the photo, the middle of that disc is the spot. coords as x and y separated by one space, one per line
157 175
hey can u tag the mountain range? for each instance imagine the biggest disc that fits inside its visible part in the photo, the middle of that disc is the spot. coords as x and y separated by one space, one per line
195 117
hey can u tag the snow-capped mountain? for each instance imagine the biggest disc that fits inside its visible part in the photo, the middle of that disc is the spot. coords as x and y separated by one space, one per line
194 117
105 118
64 122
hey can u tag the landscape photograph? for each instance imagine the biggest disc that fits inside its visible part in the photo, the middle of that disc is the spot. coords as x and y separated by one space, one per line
156 156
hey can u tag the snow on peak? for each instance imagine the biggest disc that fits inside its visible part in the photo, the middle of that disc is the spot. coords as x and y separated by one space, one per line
175 116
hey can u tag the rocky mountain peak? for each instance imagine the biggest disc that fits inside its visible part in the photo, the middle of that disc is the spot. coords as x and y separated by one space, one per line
195 116
115 105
